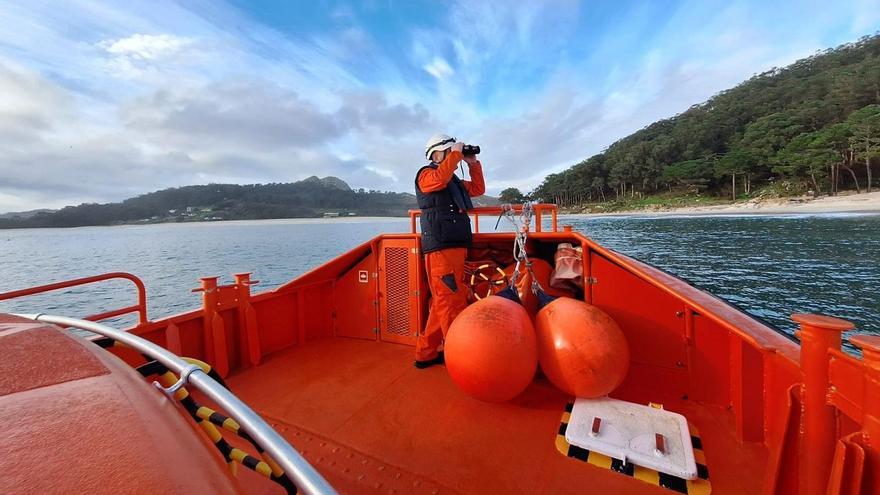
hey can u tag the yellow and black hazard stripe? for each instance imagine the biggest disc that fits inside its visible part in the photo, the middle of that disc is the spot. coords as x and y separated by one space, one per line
205 413
699 486
210 419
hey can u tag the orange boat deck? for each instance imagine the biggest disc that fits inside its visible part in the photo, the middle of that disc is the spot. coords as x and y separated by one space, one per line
369 421
327 358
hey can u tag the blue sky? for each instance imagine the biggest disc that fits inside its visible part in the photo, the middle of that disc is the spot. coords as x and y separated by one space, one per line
105 100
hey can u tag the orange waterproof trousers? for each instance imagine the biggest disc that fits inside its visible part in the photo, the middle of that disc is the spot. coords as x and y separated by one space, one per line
445 270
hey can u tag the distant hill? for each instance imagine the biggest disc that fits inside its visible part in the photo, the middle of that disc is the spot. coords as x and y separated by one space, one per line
24 214
329 181
812 125
312 197
309 198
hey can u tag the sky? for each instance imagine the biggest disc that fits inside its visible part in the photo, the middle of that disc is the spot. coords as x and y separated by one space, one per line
101 101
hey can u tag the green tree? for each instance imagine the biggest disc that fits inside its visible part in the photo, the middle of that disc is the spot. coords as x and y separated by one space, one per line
693 173
802 158
866 136
511 195
836 137
736 162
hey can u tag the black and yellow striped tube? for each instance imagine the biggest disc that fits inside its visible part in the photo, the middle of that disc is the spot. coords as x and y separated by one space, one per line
209 419
207 414
208 370
251 462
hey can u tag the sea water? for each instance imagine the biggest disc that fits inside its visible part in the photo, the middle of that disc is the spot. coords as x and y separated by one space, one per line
770 266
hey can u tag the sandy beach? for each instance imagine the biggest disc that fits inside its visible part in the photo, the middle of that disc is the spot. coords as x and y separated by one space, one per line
843 203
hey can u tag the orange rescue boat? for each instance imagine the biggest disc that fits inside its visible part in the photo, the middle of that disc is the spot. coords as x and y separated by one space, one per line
310 387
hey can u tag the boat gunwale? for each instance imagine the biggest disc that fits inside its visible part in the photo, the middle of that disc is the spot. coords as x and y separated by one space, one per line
728 316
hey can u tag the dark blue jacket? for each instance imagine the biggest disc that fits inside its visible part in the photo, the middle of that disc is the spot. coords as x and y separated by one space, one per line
445 222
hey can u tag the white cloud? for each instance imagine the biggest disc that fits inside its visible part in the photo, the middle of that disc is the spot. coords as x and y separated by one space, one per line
28 103
106 100
147 46
439 68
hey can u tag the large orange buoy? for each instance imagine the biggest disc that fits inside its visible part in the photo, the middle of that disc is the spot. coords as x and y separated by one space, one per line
490 350
580 348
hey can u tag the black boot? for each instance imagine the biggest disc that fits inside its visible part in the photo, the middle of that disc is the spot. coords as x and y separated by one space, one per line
431 362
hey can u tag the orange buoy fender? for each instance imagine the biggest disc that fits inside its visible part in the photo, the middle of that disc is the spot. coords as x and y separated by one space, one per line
580 348
542 271
490 349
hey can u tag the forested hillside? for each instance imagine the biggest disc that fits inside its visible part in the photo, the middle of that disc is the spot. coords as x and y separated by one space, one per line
311 197
811 126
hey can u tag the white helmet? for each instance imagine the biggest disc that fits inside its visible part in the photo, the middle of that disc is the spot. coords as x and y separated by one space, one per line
438 142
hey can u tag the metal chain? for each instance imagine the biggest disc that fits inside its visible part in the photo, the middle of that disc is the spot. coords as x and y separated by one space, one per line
521 225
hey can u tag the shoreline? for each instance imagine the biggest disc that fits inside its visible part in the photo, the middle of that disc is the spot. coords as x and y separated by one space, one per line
846 203
255 221
862 203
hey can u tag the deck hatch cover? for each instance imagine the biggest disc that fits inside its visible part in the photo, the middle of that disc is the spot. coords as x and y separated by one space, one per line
646 436
699 486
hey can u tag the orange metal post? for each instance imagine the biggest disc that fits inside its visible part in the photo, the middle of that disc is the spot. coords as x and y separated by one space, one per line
247 320
412 220
172 339
215 334
870 346
818 433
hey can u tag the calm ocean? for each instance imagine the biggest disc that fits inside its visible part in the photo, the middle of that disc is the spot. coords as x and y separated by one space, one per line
771 266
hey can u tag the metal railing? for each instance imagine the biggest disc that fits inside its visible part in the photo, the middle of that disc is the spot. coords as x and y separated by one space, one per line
303 475
140 308
537 209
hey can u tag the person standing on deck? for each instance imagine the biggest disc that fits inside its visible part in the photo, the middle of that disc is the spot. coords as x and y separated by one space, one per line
446 236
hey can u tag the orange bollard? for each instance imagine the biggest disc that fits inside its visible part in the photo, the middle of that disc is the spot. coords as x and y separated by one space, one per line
870 346
247 320
209 302
215 334
818 432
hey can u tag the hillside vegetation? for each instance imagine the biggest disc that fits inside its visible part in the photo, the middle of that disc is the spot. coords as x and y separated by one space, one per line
813 126
311 197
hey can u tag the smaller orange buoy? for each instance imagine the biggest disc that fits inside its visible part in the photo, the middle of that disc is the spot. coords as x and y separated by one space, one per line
541 271
490 349
580 348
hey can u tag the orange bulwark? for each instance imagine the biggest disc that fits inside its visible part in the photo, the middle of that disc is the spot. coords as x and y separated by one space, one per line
326 360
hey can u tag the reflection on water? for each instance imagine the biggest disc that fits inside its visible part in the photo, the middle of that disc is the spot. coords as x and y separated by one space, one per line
770 266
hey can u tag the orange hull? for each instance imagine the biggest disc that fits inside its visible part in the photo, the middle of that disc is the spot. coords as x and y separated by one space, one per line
327 359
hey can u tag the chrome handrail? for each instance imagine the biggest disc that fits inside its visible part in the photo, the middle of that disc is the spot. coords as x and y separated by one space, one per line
303 475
